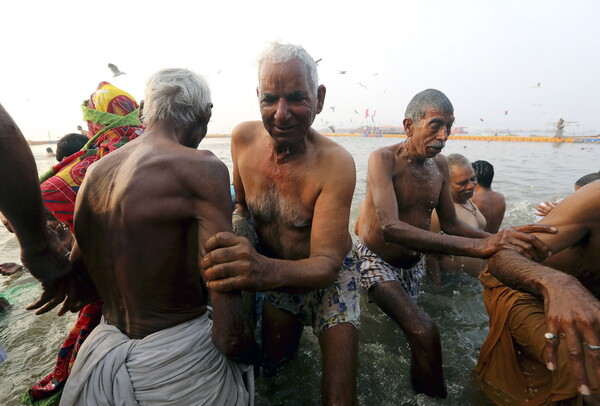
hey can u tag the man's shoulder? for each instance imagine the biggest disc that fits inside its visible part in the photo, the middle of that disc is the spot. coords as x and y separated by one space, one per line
247 131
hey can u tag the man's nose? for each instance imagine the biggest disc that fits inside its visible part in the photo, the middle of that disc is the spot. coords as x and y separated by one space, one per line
283 111
443 134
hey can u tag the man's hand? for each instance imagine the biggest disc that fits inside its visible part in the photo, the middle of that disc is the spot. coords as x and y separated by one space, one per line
74 291
542 209
10 268
573 312
519 239
231 263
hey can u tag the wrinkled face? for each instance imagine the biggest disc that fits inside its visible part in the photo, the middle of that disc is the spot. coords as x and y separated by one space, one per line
429 135
462 183
287 104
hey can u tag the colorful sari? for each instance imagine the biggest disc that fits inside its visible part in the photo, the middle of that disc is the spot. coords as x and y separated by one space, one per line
113 120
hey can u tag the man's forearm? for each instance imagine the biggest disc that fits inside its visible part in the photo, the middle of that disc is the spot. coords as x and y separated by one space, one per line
430 243
301 276
232 333
518 272
462 229
20 201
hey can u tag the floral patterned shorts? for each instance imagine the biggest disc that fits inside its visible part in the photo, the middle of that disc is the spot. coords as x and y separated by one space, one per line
325 308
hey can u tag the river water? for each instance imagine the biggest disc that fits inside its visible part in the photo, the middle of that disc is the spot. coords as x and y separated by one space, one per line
526 173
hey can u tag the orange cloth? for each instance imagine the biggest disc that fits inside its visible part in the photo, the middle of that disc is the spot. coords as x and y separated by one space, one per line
510 369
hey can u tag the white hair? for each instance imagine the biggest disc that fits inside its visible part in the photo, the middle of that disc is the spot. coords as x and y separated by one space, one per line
179 96
280 53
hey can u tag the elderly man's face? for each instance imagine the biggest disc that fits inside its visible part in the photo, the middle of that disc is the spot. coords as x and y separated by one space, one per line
429 135
462 183
287 104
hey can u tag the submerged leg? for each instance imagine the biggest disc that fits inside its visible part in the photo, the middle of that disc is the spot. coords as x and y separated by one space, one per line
423 337
339 353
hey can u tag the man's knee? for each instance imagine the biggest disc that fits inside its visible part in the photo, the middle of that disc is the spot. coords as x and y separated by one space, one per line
424 334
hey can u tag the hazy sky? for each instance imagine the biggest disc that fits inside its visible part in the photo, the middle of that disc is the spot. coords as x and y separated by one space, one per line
487 56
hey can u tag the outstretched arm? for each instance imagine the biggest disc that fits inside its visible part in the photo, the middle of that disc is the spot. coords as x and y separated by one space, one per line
571 310
21 203
380 181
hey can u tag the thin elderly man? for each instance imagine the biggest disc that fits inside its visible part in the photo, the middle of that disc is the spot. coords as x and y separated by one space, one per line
405 182
296 186
462 185
491 203
142 218
543 347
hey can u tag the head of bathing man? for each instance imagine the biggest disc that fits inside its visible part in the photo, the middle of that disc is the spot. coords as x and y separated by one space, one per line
289 95
462 178
428 122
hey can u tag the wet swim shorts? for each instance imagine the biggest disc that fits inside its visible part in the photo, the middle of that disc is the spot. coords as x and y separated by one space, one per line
327 307
374 270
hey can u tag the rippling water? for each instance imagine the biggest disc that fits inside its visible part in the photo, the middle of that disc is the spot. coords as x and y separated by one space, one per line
526 173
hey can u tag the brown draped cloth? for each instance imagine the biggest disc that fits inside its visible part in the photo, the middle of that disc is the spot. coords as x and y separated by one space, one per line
510 369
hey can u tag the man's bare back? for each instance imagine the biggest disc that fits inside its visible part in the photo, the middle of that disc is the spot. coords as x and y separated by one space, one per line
492 205
139 233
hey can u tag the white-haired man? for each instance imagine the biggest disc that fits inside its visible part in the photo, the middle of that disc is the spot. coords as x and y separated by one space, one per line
142 218
296 186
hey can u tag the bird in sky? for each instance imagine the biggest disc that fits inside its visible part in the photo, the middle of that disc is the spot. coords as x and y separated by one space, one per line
332 108
115 70
318 60
342 72
361 85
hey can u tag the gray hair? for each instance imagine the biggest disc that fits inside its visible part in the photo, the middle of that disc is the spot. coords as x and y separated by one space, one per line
430 98
179 96
459 160
281 53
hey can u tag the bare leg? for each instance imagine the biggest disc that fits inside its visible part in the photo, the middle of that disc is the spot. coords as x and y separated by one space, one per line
423 337
281 333
339 353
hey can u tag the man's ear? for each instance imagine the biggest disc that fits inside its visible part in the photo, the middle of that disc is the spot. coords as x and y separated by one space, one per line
320 98
408 126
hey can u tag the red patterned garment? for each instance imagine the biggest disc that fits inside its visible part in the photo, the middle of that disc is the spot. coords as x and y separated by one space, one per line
113 120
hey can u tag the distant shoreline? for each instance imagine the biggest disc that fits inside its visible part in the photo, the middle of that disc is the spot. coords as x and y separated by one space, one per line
464 137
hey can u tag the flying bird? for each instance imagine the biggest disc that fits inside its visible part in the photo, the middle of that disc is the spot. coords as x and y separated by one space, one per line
361 85
332 108
318 60
342 72
115 70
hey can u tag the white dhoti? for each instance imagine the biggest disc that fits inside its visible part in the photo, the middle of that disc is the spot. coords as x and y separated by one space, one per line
176 366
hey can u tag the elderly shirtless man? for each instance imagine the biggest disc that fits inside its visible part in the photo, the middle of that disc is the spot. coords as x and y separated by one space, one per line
462 185
405 182
296 186
543 347
142 218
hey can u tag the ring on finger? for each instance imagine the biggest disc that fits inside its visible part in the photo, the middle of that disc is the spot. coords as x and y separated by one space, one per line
551 336
591 347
